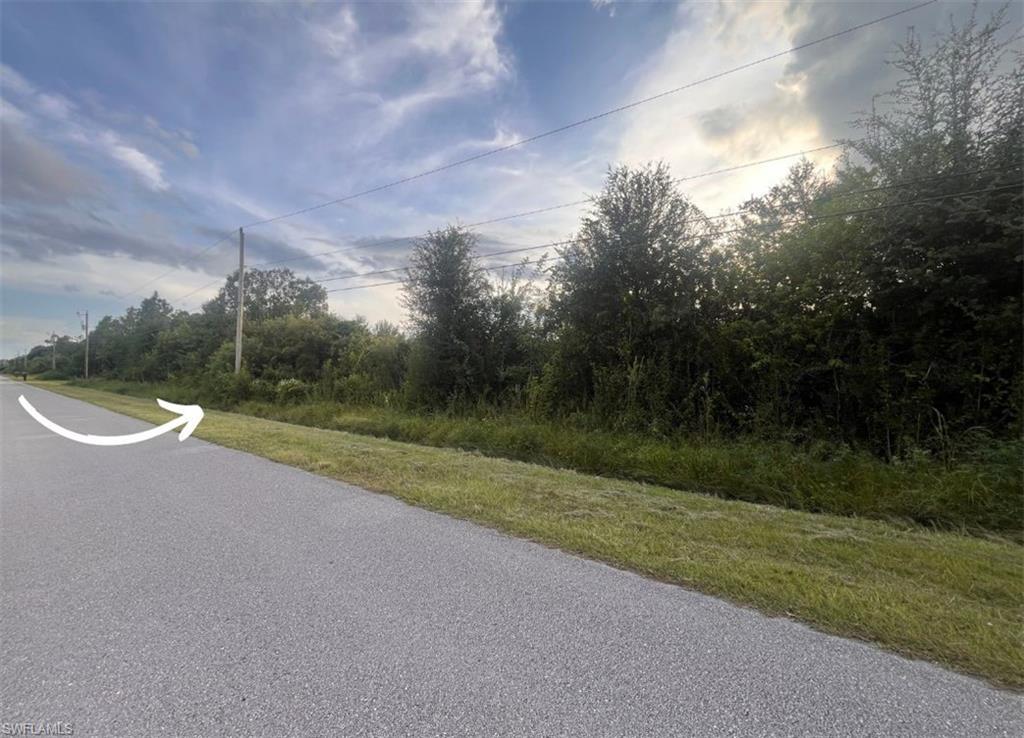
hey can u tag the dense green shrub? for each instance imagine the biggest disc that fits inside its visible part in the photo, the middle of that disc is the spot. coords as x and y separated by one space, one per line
291 391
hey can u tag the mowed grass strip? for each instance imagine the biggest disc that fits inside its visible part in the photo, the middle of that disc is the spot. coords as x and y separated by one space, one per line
947 597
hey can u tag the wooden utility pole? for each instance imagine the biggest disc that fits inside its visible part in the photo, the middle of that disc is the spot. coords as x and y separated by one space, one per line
86 326
241 301
53 356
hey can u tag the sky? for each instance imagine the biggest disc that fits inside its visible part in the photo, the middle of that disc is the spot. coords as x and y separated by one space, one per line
136 138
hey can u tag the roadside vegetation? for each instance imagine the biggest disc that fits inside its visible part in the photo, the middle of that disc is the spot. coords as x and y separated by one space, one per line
978 494
846 344
943 596
849 343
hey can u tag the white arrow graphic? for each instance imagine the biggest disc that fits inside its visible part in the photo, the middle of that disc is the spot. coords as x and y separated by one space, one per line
190 415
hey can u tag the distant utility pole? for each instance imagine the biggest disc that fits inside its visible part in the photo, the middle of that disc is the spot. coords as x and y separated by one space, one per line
86 327
241 301
53 356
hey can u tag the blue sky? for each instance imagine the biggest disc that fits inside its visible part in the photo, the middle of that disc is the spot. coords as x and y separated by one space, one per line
133 135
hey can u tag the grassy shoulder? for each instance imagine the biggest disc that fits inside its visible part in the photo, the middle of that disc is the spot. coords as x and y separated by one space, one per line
943 596
980 495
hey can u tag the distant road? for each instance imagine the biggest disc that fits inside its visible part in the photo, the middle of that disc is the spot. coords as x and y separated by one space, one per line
186 589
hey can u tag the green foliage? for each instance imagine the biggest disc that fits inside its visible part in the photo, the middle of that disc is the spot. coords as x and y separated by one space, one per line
875 308
899 328
447 297
632 301
289 391
980 493
473 341
269 294
294 347
373 369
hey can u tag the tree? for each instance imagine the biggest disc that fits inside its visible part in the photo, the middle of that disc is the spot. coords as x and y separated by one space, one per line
945 275
631 300
374 367
514 341
448 299
269 294
900 323
293 347
124 346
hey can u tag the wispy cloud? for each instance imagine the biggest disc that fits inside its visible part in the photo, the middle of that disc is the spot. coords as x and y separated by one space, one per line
444 52
53 115
146 168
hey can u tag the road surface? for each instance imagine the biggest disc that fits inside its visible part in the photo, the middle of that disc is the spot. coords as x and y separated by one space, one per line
177 588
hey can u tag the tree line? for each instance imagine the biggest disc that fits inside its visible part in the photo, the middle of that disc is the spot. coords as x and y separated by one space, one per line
877 304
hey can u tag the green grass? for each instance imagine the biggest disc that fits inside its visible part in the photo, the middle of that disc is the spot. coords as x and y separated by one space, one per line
943 596
980 495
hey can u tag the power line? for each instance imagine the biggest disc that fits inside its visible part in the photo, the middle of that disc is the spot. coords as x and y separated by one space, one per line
402 281
197 289
537 211
545 134
406 239
848 193
479 256
769 226
796 221
512 216
592 118
205 251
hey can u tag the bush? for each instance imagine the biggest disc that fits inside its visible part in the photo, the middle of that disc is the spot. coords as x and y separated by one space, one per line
53 374
291 391
230 388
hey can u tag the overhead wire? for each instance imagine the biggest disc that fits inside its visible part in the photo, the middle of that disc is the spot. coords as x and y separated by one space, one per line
841 194
796 221
592 118
554 131
512 216
205 251
537 211
847 193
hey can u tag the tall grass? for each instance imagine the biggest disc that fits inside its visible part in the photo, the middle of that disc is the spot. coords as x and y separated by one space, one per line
979 495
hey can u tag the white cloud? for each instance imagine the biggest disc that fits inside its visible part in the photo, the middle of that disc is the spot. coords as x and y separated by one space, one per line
380 303
181 140
59 120
454 49
754 114
337 36
11 81
49 104
54 106
147 169
12 113
467 34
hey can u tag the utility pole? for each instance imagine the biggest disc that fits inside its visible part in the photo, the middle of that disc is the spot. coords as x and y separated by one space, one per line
86 326
241 301
53 356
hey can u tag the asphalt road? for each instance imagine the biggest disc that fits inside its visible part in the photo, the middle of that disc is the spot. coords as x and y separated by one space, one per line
186 589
